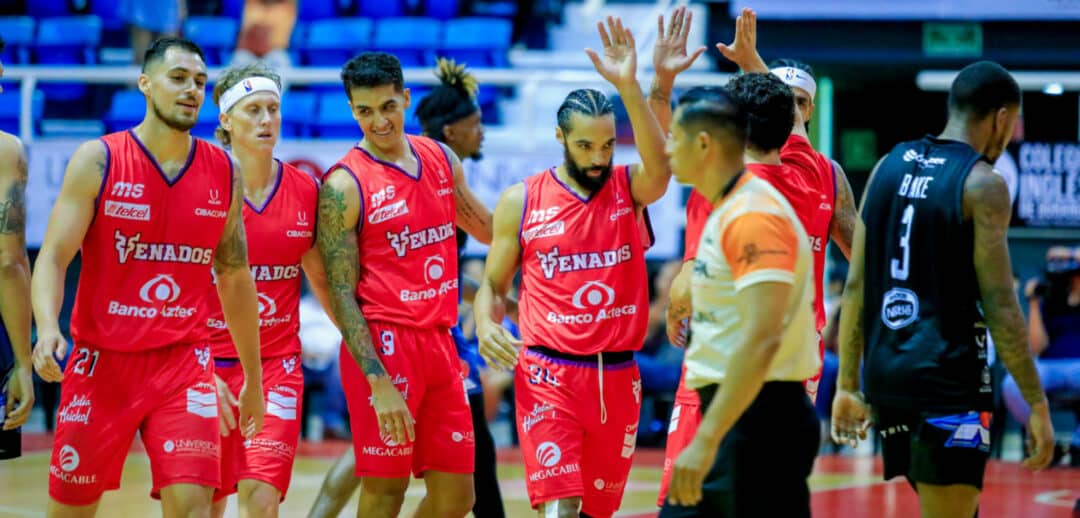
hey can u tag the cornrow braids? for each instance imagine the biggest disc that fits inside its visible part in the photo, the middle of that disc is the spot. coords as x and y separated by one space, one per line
585 101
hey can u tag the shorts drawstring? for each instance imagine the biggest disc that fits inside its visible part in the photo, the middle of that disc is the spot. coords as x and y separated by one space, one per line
600 369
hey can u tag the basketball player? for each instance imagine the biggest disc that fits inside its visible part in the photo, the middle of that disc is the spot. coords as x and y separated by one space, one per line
16 380
922 290
395 200
449 114
778 151
753 340
150 208
575 230
280 203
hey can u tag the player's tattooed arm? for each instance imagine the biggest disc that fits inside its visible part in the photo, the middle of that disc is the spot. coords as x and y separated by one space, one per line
987 202
472 216
842 227
15 277
231 251
68 223
669 59
339 212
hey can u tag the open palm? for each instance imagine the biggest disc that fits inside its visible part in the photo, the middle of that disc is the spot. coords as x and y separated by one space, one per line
619 63
669 55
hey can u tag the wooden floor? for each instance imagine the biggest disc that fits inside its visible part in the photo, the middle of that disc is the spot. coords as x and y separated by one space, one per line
843 486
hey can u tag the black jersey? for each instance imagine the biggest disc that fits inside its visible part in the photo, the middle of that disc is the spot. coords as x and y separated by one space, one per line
925 336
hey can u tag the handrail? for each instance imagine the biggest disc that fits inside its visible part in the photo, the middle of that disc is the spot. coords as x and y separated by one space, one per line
941 80
529 80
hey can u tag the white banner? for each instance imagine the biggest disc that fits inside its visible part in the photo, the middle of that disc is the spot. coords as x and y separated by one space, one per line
501 167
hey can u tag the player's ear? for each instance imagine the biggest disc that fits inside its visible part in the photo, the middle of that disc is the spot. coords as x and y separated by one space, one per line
559 135
448 132
407 94
704 140
144 84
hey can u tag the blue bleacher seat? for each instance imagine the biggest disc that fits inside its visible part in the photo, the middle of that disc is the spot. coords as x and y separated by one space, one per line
215 34
208 121
9 110
334 118
296 111
441 9
317 9
109 12
412 124
412 39
479 42
126 110
381 8
296 41
46 8
232 8
18 33
67 40
332 42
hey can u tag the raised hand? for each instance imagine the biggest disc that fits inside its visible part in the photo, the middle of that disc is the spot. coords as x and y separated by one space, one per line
619 64
669 54
743 51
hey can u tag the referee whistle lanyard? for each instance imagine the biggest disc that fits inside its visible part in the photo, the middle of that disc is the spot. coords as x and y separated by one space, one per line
600 369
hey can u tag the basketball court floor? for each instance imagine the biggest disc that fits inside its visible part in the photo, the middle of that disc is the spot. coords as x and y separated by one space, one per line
843 486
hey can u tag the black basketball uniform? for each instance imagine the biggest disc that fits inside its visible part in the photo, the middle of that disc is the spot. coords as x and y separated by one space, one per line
925 368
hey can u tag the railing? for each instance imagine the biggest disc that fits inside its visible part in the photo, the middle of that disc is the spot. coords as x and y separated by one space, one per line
528 82
941 80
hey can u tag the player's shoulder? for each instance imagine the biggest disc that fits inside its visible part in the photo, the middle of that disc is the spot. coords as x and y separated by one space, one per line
11 148
985 188
303 178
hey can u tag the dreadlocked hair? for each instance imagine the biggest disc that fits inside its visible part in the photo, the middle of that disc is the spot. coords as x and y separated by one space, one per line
452 100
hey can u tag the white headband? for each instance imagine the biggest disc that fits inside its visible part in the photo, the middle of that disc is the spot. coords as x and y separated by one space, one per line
792 76
245 88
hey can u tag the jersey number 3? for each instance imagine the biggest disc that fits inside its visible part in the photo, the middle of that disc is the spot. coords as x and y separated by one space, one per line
900 266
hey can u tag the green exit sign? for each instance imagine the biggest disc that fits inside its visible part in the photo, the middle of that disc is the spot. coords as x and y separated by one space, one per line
964 40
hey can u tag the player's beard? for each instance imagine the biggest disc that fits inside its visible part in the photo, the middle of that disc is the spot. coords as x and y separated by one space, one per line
172 122
581 176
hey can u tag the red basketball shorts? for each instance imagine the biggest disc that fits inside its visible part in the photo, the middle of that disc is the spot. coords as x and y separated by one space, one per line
165 394
685 419
424 366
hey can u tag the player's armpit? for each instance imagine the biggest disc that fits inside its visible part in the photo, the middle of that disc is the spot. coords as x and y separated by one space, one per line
472 216
987 201
231 253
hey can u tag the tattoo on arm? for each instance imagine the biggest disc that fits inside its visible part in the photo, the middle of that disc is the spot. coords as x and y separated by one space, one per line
988 198
231 252
341 257
842 228
13 202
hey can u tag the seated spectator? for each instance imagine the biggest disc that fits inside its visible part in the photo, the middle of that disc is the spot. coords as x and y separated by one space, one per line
1054 333
265 30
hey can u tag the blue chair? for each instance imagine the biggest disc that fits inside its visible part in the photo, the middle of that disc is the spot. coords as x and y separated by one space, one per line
412 124
381 8
232 8
109 12
441 9
68 40
296 111
215 34
128 107
317 9
479 42
9 110
333 42
334 119
47 8
296 41
208 121
412 39
18 32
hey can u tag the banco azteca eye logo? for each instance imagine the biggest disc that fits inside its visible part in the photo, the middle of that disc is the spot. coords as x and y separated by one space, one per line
160 289
593 294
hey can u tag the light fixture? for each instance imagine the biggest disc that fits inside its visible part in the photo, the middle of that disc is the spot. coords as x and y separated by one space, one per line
1053 89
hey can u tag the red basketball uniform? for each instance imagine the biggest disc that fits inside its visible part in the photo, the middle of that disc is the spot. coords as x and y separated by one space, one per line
582 294
408 292
279 233
140 360
806 179
686 413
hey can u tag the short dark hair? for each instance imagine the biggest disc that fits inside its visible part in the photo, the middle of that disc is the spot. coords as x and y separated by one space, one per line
370 70
157 50
3 43
770 109
792 63
585 101
711 108
982 88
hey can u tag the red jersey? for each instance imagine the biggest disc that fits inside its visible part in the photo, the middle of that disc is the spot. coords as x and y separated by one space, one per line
583 288
147 254
806 180
697 212
279 233
407 237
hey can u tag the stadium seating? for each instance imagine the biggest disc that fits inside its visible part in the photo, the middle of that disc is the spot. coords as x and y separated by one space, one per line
411 39
215 34
296 111
9 110
332 42
47 8
334 119
67 40
480 42
381 8
18 32
441 9
208 120
126 110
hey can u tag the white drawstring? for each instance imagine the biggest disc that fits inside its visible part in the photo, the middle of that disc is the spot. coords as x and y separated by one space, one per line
603 409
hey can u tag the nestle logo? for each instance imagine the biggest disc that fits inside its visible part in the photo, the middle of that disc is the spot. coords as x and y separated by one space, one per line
899 308
125 210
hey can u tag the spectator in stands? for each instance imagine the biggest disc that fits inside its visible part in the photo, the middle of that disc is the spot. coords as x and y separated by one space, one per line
1054 334
150 20
265 32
